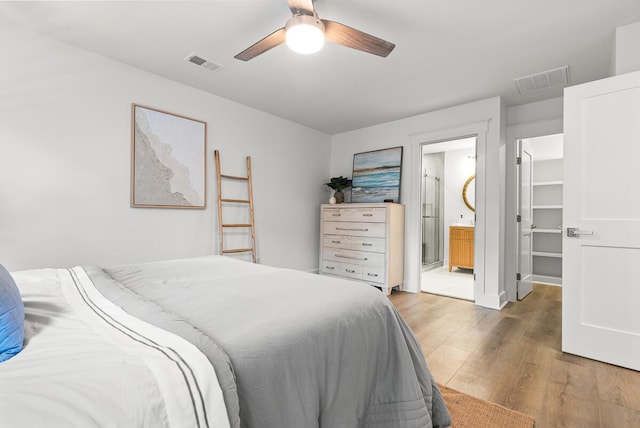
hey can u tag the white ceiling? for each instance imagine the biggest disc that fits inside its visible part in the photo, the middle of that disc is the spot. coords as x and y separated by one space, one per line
448 52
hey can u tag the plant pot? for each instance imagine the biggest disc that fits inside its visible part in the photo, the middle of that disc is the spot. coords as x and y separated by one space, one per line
339 197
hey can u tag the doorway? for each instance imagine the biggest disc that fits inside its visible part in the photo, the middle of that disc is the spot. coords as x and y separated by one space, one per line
539 219
448 219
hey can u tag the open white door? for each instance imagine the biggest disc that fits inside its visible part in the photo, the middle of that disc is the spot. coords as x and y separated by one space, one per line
601 238
525 212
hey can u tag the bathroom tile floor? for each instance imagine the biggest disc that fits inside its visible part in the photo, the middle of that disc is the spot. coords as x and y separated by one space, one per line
458 283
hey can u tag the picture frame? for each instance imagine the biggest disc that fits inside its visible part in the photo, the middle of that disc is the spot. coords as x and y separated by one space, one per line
168 159
377 176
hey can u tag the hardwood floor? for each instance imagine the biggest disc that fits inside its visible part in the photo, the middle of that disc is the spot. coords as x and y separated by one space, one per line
512 357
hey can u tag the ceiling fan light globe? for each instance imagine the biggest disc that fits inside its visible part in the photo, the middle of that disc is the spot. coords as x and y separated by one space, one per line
305 34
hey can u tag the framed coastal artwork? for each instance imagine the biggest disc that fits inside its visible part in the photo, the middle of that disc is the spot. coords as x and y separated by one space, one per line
376 176
168 159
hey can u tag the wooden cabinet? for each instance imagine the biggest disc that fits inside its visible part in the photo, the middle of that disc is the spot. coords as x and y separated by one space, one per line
461 246
364 242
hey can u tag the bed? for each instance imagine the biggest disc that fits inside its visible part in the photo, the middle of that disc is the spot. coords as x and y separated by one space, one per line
212 342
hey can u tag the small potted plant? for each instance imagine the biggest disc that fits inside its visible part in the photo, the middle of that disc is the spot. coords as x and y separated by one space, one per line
339 184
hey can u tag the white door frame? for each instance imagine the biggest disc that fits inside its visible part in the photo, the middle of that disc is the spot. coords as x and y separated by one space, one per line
514 133
433 147
478 130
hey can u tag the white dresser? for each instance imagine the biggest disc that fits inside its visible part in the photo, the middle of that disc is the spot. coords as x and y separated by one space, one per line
364 242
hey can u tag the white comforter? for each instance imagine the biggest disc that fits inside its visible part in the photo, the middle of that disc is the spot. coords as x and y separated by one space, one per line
86 363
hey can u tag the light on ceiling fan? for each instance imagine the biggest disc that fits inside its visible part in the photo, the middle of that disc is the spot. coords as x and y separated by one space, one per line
305 34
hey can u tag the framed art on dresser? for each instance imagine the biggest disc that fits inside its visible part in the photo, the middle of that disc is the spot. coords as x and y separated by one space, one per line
168 159
376 176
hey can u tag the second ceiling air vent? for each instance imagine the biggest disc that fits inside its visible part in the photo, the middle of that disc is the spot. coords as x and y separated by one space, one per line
555 78
199 61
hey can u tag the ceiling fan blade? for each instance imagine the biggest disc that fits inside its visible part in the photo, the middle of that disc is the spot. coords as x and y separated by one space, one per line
301 7
356 39
271 41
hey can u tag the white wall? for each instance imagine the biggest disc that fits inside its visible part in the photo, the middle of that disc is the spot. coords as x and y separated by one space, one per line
65 164
547 146
410 133
458 167
627 50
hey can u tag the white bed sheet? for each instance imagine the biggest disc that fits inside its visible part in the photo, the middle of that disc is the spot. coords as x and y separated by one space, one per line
77 370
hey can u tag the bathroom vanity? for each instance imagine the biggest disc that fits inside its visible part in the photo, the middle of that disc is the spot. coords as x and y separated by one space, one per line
461 246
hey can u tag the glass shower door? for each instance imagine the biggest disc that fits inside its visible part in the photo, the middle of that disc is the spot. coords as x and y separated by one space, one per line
431 222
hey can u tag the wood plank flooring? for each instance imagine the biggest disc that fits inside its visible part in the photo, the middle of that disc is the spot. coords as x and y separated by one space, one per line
512 357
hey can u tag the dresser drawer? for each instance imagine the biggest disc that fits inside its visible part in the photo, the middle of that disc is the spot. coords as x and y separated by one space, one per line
378 215
354 257
374 230
350 270
369 244
345 270
373 274
345 256
331 267
336 241
336 214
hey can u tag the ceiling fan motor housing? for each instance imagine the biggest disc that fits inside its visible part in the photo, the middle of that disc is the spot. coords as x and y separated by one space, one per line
305 33
300 19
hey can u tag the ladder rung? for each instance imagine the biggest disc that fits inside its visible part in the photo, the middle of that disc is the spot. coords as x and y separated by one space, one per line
244 201
238 250
236 225
233 177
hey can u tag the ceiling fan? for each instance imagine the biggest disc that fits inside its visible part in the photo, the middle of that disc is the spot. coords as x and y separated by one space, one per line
305 33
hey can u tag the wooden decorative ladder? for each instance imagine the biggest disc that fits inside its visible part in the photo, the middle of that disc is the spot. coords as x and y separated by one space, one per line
249 201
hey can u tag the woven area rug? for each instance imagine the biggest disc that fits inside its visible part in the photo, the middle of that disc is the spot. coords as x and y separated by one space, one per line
471 412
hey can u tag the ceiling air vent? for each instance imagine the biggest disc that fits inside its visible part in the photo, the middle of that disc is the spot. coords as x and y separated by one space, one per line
195 59
556 78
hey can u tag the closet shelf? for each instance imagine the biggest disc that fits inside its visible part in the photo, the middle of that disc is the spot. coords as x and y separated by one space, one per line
547 207
546 158
546 254
548 183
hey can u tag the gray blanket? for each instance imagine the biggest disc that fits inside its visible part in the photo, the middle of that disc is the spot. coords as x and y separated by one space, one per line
291 349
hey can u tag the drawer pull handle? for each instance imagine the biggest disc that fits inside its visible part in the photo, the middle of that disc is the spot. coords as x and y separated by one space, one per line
336 215
350 257
367 215
353 229
366 244
350 270
330 267
335 242
373 274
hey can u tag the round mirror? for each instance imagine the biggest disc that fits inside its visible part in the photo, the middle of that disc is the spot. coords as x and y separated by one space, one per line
469 192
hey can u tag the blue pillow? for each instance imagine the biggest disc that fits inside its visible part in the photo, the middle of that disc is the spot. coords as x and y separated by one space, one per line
11 317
